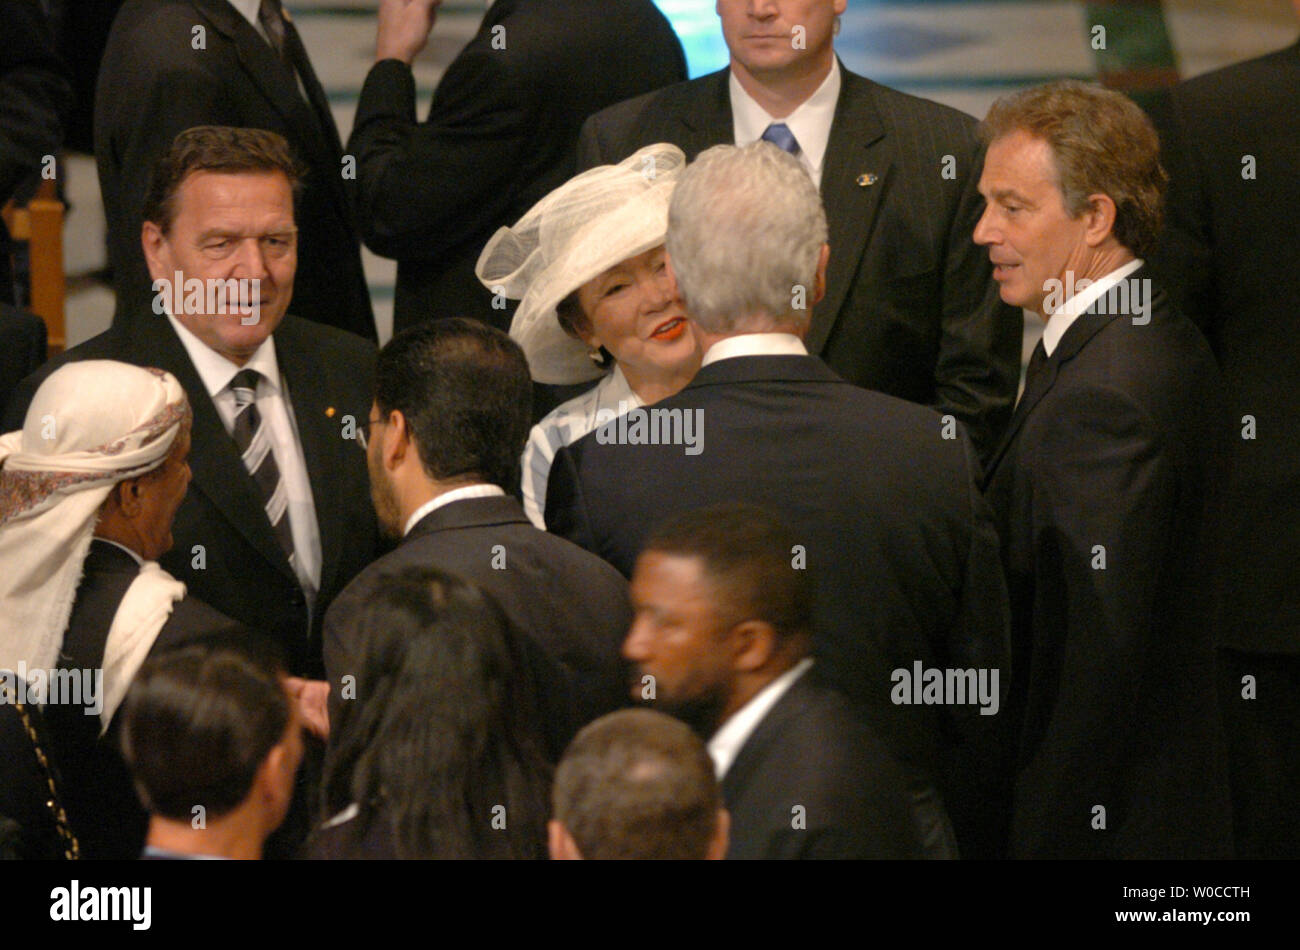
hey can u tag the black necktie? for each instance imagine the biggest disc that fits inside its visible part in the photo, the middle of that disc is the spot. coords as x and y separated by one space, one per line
254 443
1034 373
271 16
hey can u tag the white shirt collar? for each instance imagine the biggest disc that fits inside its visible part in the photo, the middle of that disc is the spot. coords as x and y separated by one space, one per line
446 498
1078 305
735 732
810 122
249 10
216 371
755 344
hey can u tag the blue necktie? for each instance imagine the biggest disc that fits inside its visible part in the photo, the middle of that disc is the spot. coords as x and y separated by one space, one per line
779 134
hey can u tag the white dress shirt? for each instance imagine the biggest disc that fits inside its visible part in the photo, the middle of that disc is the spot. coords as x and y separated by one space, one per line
810 123
446 498
1078 305
276 410
564 425
754 344
735 732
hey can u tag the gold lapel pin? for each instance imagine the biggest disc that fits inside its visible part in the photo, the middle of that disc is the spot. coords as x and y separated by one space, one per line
867 179
329 413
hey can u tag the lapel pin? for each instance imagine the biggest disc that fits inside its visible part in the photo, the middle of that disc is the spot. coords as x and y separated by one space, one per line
329 413
866 179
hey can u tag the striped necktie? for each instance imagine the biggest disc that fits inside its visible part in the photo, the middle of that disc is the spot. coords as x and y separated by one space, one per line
779 134
254 443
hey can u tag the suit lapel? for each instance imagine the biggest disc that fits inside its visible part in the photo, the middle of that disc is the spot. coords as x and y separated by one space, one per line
1088 325
216 468
276 82
858 146
769 728
709 123
321 441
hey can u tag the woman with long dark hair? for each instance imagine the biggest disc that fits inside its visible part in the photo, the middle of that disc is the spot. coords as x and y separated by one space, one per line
439 755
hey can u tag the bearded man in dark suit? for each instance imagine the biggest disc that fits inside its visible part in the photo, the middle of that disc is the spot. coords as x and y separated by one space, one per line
1100 487
174 64
910 309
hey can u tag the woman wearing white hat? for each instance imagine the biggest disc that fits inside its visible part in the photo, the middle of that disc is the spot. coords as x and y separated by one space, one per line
587 265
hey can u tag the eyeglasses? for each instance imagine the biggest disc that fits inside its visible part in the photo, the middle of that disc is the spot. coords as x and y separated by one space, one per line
363 432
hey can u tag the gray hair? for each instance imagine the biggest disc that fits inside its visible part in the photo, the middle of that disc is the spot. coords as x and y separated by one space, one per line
745 232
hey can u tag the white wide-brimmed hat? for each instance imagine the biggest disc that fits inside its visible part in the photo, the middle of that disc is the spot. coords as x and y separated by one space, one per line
576 233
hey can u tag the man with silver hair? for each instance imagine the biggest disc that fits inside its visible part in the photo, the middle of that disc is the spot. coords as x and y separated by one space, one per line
881 493
88 491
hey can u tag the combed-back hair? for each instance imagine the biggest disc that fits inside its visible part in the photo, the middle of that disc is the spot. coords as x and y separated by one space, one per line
217 148
444 726
466 393
1102 143
199 721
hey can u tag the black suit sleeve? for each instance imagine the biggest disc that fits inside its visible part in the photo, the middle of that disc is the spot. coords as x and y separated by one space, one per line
590 151
424 186
1184 257
1104 488
978 368
35 96
566 511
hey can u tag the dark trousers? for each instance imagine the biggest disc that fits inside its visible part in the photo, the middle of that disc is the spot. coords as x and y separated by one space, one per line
1263 736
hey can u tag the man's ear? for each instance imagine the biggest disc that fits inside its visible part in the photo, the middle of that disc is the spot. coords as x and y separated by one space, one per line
128 494
395 440
1099 219
561 843
721 837
753 643
823 259
156 253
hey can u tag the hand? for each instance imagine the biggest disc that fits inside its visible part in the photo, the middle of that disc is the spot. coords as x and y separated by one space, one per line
311 696
404 27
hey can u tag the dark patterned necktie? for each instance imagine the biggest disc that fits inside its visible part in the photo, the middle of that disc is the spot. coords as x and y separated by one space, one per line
253 440
779 134
271 16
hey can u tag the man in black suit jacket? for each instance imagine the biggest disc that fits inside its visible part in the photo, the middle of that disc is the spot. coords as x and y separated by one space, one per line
1228 257
449 423
721 640
36 96
909 307
499 136
174 64
1100 488
882 494
227 550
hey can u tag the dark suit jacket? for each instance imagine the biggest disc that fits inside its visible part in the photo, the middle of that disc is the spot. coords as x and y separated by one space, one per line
499 136
98 794
1229 258
1114 694
35 97
910 308
154 84
896 535
241 569
572 607
28 831
811 752
22 348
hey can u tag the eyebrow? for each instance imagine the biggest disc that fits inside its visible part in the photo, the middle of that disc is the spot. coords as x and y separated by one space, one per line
1002 194
227 233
